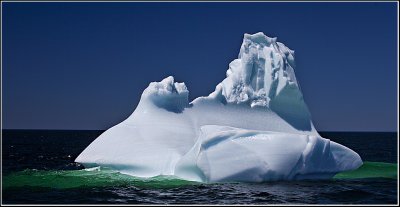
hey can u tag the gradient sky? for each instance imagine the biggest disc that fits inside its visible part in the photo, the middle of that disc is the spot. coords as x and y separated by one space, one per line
85 65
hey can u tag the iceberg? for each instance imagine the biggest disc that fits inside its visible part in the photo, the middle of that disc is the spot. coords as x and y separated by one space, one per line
254 127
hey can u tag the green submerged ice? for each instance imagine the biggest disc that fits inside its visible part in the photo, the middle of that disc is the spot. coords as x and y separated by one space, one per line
103 177
371 170
98 177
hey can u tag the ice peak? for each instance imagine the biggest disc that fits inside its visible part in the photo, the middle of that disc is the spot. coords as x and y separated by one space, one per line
167 94
259 38
263 69
167 87
263 76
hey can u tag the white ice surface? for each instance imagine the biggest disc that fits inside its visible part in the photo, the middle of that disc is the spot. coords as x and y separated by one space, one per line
254 127
230 154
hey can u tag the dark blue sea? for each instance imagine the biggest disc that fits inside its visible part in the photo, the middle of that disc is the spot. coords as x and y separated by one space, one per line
38 168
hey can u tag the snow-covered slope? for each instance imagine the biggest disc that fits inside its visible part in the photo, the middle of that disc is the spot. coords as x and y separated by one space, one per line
255 126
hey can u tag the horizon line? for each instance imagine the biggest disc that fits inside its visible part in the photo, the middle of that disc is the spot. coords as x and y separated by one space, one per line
107 129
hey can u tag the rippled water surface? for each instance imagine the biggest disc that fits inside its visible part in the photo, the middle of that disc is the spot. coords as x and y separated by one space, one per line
38 167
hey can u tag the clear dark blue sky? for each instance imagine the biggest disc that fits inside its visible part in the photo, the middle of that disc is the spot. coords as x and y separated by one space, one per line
85 65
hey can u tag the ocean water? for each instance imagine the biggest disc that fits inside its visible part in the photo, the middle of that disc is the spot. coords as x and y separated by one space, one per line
38 168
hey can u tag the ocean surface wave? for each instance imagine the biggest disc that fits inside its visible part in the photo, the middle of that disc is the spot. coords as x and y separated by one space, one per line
105 177
38 168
